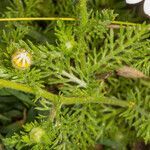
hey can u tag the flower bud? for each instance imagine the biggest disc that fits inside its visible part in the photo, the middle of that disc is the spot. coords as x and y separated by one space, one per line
36 134
69 45
21 59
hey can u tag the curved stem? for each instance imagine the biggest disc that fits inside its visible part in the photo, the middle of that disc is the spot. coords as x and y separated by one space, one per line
59 98
25 88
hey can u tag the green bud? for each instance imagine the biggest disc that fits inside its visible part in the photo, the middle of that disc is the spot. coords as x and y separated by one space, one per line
36 134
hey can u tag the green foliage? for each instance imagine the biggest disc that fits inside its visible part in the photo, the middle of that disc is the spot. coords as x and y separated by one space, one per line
76 63
133 12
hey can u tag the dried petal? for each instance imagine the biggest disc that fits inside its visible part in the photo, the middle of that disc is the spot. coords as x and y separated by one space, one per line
129 72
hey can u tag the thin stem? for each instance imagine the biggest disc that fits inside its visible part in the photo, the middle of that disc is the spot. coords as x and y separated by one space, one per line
114 24
83 18
125 23
59 98
37 19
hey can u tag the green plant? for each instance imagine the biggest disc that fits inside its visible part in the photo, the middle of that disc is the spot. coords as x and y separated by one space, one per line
72 95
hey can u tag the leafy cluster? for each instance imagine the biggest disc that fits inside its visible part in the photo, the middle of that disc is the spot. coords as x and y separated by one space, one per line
72 96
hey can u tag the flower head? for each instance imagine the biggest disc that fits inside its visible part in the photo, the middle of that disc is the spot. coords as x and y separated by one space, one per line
146 5
21 59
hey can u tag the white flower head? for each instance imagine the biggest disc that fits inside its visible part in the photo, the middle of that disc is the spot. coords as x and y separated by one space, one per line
146 5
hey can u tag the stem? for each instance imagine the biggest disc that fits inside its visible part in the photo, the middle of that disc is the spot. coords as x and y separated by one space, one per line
83 12
59 98
125 23
114 24
118 24
81 32
99 100
36 19
27 89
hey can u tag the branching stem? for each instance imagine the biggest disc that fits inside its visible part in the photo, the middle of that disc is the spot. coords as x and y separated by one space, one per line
62 99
